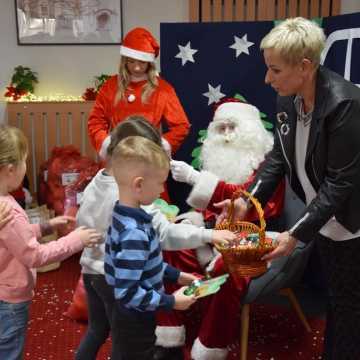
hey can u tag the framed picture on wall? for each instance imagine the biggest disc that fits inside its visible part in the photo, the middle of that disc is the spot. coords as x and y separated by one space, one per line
69 22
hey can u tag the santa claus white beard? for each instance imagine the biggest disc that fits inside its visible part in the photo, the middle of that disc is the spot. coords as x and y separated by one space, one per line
234 161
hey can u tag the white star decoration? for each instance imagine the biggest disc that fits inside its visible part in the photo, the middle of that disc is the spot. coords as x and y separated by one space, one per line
214 94
241 45
186 53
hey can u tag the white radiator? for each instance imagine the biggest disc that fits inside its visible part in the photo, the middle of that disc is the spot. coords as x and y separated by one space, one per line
49 124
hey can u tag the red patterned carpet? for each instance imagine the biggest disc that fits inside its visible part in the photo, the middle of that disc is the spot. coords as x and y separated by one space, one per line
275 332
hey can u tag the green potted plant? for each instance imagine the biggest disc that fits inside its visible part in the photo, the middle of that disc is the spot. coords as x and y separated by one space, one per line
22 83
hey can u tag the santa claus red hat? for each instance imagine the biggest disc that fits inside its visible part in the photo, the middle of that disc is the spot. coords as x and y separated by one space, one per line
235 109
139 44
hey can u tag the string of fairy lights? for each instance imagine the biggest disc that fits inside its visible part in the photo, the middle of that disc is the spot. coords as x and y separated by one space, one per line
47 98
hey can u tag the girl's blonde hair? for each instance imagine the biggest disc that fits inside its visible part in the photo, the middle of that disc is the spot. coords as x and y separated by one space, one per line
124 81
296 39
137 149
13 145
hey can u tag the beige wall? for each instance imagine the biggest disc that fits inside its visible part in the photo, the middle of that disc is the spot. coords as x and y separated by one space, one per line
350 6
70 69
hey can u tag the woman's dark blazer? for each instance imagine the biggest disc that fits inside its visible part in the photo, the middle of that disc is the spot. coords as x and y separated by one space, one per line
332 161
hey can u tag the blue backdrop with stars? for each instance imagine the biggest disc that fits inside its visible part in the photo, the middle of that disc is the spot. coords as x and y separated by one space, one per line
207 61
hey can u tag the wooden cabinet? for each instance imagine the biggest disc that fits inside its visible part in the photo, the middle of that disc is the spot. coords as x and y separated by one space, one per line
257 10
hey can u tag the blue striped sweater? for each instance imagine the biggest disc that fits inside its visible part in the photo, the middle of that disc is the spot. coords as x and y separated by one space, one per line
134 266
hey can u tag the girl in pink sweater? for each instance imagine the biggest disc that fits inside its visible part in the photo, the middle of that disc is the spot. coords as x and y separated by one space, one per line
20 252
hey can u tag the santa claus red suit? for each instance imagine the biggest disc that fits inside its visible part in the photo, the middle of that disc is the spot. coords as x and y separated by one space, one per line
236 145
137 90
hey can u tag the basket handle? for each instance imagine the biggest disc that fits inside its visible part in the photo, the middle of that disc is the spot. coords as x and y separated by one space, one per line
255 203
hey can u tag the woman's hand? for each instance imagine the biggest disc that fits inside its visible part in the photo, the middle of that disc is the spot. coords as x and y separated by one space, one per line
240 209
186 279
61 220
5 213
286 246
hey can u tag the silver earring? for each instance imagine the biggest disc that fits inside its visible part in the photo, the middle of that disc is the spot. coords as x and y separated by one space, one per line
282 117
282 120
284 129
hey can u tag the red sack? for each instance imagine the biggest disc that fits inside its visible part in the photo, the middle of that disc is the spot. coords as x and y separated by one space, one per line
66 167
78 309
63 169
73 194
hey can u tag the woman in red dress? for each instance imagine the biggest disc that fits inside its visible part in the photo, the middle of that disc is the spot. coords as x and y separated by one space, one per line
137 90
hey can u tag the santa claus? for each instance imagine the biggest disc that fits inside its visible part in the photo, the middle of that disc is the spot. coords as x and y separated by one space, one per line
236 144
236 132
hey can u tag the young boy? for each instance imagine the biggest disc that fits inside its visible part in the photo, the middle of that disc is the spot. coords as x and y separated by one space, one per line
133 262
95 212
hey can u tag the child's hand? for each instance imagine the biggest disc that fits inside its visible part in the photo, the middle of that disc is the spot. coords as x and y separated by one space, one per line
61 220
186 278
222 236
182 301
5 213
89 237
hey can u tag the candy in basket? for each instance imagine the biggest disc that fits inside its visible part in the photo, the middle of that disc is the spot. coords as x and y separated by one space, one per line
242 257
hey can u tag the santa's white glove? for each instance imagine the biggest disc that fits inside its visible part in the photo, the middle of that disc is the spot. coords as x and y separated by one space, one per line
166 146
183 172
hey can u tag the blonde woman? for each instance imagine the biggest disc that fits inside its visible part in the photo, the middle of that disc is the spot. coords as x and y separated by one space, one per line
137 90
317 147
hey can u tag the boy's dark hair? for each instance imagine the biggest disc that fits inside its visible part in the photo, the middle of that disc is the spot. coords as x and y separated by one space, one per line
134 125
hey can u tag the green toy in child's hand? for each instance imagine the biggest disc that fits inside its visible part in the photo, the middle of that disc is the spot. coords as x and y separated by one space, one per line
170 211
201 288
192 288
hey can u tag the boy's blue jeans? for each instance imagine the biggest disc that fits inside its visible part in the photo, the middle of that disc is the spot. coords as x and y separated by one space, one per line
13 324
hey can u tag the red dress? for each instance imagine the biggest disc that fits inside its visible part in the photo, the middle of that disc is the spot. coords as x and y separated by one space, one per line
163 105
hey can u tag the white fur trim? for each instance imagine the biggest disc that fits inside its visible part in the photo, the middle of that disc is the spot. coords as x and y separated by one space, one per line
104 147
236 110
136 54
216 256
201 352
204 254
203 190
170 336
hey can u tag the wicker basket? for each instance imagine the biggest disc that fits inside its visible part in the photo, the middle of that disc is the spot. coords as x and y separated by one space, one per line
245 260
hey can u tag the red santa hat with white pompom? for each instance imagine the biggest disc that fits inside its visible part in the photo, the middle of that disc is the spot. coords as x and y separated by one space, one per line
232 108
139 44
